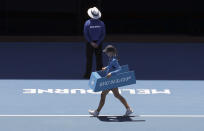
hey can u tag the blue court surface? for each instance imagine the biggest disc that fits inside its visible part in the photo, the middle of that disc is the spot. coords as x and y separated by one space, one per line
49 105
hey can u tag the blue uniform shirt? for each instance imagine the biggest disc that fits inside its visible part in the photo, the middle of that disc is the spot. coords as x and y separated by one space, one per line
113 66
94 30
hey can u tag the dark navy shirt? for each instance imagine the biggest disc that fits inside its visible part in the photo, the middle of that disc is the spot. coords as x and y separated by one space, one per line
113 66
94 30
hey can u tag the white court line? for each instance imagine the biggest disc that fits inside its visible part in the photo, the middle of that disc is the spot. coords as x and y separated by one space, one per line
154 116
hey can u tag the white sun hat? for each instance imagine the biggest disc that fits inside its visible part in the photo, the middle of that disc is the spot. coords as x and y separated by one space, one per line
94 13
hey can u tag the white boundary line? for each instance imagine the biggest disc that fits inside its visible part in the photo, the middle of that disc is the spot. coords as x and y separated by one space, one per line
153 116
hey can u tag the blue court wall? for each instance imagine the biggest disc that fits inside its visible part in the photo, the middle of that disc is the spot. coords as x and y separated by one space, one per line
62 60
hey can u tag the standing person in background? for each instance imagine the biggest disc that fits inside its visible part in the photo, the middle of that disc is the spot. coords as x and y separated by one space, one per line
94 32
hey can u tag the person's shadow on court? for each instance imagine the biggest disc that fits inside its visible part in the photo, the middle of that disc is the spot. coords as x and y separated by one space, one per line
118 119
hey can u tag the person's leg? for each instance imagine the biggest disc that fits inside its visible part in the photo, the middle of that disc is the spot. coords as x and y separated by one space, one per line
102 101
99 57
121 98
89 57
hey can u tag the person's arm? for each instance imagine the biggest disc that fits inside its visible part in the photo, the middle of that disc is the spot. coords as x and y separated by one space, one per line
103 33
108 67
86 33
115 72
115 64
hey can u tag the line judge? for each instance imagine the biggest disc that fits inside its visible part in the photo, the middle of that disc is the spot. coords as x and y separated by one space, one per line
94 33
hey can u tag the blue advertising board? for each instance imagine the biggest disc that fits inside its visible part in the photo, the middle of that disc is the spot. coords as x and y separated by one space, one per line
99 82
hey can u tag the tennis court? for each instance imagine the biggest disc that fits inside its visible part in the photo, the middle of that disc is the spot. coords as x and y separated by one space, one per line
63 105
